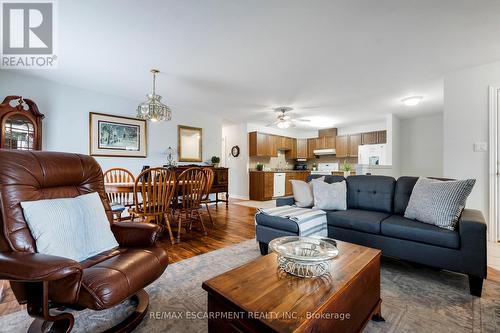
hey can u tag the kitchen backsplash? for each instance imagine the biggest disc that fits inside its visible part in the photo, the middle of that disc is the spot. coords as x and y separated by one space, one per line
272 162
281 163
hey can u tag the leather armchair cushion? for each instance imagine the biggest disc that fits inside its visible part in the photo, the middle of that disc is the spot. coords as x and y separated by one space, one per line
113 280
360 220
403 228
132 234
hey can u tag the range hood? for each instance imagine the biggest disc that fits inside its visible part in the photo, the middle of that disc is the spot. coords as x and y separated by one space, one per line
319 152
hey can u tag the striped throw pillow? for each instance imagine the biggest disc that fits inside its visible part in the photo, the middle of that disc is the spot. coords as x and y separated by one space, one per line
438 202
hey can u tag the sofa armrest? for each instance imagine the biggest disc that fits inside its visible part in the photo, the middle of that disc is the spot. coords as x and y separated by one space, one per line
285 201
36 267
134 234
472 230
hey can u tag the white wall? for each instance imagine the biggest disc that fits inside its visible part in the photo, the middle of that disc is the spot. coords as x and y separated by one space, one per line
421 146
236 135
465 122
354 129
393 144
66 123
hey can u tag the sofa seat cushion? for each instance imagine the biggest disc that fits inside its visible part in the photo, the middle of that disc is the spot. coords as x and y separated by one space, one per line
110 281
403 228
276 222
356 219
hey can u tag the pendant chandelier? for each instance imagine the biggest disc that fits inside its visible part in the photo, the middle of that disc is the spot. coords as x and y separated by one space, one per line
153 109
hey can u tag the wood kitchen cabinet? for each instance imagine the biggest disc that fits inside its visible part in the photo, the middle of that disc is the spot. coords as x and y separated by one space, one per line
342 146
330 142
311 146
369 138
320 143
291 154
382 137
267 145
259 144
354 143
301 148
261 185
375 137
347 145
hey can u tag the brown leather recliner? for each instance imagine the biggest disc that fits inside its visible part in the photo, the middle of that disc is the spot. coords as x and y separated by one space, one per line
47 282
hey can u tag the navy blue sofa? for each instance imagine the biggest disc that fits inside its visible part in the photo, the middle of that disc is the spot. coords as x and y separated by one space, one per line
375 218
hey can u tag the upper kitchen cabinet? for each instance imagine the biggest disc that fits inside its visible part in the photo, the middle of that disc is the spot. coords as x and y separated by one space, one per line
260 144
342 146
354 143
311 146
301 148
291 154
369 138
382 137
375 137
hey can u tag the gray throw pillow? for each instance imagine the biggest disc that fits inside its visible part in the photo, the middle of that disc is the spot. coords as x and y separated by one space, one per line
438 202
302 192
330 196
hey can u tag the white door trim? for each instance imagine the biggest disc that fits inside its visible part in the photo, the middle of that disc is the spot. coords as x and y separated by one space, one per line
493 216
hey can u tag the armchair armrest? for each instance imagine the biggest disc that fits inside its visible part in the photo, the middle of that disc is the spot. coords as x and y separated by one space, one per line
285 201
472 230
36 267
134 234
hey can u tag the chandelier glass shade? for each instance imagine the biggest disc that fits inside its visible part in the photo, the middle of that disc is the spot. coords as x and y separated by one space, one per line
153 109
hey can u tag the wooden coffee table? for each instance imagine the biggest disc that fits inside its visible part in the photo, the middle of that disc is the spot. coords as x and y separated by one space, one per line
258 297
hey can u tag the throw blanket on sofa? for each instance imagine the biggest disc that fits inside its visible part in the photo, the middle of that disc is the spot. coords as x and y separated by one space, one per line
310 221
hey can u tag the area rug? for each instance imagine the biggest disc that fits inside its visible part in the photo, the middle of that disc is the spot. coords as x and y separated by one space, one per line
257 204
415 299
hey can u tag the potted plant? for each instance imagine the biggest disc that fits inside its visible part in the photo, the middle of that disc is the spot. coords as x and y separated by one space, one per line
215 161
347 168
259 166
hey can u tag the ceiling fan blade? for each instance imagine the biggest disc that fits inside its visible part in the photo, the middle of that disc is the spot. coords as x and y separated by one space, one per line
302 120
273 123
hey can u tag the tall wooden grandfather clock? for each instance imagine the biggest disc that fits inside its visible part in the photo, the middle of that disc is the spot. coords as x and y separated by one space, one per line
21 124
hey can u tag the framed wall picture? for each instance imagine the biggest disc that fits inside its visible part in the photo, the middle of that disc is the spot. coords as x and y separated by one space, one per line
189 143
117 136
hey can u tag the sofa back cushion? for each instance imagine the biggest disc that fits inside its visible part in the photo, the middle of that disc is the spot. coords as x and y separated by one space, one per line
370 193
402 193
328 178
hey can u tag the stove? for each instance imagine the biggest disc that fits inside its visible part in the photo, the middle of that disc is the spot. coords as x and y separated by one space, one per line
326 169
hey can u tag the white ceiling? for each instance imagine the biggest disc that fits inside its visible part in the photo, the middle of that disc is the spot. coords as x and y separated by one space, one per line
341 62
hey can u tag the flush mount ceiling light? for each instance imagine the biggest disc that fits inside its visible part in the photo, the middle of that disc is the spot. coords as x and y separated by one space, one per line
153 109
412 100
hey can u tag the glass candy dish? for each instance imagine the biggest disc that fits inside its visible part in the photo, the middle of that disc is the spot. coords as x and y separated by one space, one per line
304 256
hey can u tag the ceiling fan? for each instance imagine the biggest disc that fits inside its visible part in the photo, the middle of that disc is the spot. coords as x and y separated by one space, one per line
284 119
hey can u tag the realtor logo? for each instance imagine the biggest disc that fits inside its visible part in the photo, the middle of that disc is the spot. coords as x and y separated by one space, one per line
27 34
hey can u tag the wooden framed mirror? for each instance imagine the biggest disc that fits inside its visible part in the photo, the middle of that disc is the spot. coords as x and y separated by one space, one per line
189 143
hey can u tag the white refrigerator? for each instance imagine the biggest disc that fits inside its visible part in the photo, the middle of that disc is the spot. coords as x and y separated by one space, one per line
372 154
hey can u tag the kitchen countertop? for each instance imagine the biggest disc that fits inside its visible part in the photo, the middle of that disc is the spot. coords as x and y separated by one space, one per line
281 171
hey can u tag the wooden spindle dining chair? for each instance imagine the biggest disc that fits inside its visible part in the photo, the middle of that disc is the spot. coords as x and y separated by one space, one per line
206 196
156 186
191 186
119 201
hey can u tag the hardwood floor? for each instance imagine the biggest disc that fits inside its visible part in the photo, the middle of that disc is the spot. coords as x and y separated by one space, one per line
232 225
